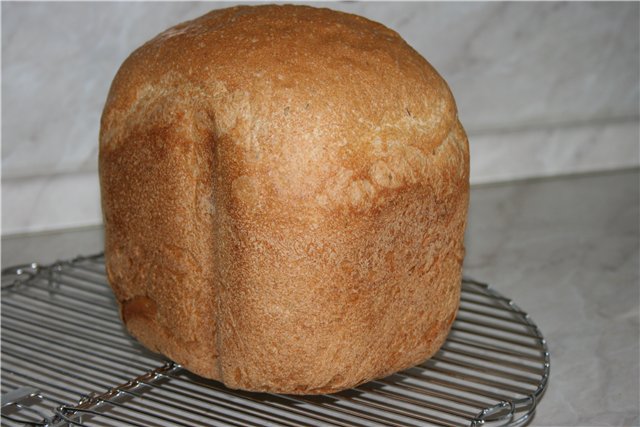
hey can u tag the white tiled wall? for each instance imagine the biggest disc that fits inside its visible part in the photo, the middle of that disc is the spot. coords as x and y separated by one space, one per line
542 89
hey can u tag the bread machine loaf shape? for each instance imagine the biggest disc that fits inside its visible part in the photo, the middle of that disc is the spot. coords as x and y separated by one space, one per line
285 192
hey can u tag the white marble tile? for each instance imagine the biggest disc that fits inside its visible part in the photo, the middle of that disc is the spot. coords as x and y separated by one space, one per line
49 247
548 151
566 250
508 64
517 62
50 202
58 62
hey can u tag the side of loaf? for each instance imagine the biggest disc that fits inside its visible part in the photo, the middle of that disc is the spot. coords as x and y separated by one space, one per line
285 192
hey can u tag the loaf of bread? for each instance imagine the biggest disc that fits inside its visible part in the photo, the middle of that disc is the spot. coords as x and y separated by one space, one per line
285 193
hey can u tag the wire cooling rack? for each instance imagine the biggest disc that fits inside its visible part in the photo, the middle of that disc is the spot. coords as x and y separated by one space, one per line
67 361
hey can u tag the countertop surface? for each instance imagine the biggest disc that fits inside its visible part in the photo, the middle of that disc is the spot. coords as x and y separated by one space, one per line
566 250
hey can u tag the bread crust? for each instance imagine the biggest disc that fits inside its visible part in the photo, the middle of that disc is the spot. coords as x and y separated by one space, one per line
285 192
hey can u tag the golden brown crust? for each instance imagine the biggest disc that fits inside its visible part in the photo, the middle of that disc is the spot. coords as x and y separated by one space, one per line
285 193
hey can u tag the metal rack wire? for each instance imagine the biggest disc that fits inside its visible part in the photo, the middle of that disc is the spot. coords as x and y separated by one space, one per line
67 361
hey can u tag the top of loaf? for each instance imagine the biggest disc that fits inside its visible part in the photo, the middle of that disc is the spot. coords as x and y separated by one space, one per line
325 98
